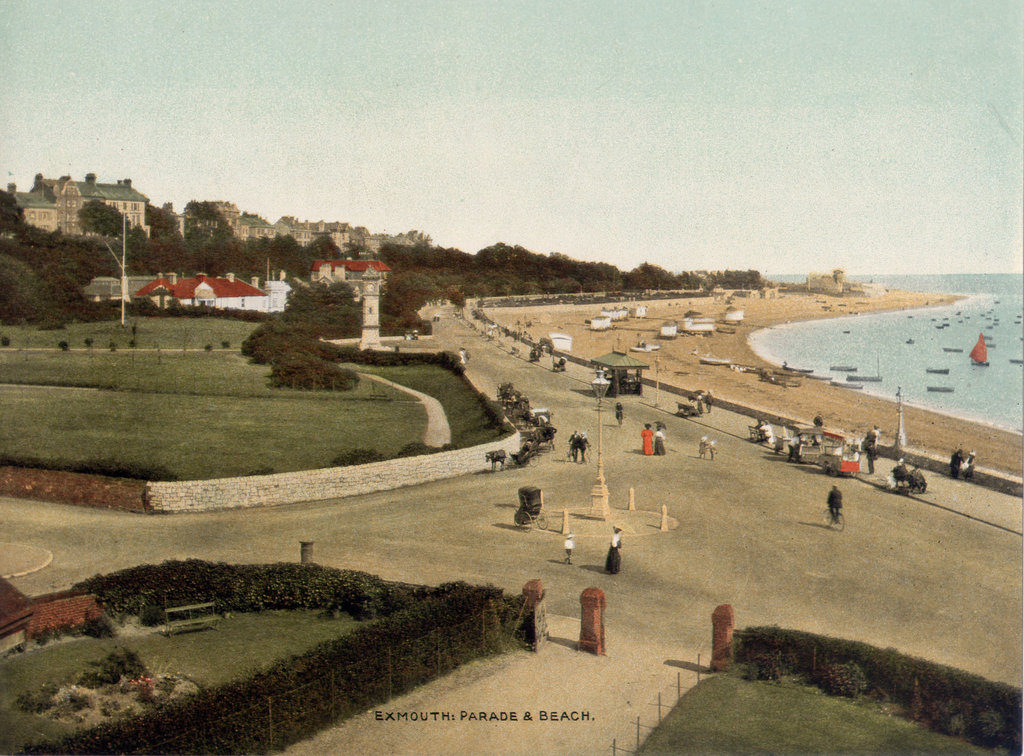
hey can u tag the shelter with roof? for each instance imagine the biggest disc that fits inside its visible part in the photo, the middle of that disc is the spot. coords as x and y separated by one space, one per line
624 373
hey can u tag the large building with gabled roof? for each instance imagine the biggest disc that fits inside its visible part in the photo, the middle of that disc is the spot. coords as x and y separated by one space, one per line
53 204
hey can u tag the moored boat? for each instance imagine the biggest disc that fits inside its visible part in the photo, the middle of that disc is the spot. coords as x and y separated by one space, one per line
843 368
941 389
951 349
937 371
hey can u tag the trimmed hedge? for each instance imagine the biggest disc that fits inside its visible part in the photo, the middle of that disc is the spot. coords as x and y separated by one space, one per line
944 699
246 588
111 468
439 629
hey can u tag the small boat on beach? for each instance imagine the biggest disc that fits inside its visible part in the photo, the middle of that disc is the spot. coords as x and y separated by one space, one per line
937 371
843 368
714 361
796 370
941 389
1016 362
867 378
846 385
951 349
910 341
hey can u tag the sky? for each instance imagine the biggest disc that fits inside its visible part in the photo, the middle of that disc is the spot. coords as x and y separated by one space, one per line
782 136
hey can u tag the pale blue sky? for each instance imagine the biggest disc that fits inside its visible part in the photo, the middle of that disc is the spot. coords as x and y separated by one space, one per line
782 136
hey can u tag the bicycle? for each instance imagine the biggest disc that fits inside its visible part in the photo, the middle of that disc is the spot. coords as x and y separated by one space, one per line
836 521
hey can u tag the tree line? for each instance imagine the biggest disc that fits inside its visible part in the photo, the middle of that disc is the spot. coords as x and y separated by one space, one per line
42 273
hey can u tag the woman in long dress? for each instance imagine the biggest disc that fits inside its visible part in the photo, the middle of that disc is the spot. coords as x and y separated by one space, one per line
647 436
659 442
613 563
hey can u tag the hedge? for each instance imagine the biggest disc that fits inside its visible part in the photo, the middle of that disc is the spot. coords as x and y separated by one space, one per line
441 629
247 588
945 699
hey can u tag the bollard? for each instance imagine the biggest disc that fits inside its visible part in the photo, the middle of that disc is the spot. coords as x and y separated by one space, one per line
592 603
632 500
664 518
306 551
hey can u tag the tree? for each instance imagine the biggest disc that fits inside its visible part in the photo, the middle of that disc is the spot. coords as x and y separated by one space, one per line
204 223
22 294
162 222
12 217
328 310
100 218
323 248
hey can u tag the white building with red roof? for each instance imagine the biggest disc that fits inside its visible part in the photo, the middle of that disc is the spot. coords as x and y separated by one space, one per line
227 293
332 271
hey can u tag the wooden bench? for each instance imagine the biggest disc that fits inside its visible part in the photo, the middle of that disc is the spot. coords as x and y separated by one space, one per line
185 619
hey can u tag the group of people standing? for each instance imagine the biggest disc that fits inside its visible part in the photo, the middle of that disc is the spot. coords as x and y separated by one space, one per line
961 465
578 445
653 441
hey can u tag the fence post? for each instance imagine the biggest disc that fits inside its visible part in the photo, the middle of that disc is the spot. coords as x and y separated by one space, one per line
659 706
613 746
638 733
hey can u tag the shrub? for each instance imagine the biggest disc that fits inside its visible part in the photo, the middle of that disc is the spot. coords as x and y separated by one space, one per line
5 341
98 627
225 344
88 342
151 615
37 702
303 370
113 346
121 662
208 347
766 666
357 457
844 679
64 346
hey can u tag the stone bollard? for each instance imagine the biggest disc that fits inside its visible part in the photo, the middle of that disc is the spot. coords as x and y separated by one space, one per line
533 592
565 522
721 638
632 500
592 603
306 551
664 518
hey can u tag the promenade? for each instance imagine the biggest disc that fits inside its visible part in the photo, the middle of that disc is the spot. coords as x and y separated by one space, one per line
915 574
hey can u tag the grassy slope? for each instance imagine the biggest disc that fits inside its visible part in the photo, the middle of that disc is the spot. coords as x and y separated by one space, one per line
239 645
150 333
725 714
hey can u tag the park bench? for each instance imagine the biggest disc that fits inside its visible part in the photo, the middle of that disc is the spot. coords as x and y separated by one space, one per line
185 619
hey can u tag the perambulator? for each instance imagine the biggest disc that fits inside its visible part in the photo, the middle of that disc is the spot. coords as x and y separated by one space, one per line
531 502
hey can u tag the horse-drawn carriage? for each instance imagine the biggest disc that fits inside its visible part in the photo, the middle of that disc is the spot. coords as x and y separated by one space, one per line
531 508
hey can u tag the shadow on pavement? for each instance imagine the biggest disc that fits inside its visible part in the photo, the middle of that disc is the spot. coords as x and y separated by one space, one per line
690 666
567 642
821 525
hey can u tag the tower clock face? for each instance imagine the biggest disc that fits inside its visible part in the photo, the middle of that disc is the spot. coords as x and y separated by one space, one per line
371 288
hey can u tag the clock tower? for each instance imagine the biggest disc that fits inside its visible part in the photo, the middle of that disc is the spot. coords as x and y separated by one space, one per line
369 289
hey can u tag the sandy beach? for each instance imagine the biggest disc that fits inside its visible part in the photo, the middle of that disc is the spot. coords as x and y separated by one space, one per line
677 363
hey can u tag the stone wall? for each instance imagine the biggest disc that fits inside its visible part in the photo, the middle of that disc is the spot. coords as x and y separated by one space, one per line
327 483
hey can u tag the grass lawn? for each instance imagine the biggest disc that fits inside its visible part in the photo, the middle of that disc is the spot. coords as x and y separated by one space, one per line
241 644
209 414
150 333
726 714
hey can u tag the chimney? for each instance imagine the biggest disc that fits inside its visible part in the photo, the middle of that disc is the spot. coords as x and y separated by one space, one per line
230 277
172 278
255 282
281 276
12 188
128 183
90 178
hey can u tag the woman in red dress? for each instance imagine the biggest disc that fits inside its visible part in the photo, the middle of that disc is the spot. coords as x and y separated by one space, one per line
647 435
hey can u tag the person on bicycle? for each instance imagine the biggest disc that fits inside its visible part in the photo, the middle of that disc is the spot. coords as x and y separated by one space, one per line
835 502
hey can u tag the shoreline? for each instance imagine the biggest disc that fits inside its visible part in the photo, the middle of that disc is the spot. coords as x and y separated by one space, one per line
677 363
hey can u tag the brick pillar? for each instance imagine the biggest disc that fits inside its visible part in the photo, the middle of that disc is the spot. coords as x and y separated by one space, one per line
721 638
533 592
592 603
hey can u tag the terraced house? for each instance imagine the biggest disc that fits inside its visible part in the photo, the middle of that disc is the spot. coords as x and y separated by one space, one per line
53 204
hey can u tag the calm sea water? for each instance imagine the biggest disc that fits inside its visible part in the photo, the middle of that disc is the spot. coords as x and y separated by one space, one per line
900 346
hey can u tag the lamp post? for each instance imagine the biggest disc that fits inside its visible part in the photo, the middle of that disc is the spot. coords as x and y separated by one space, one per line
599 492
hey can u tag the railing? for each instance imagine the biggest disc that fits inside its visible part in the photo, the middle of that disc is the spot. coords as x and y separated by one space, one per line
663 708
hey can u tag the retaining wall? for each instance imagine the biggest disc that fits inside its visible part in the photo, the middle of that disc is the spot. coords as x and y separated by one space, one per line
72 488
326 483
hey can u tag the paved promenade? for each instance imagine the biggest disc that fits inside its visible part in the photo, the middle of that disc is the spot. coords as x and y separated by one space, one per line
916 574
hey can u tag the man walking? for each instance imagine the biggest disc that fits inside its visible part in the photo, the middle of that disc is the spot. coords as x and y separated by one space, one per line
835 503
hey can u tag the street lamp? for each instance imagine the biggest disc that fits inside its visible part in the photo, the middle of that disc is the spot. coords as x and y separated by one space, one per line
599 492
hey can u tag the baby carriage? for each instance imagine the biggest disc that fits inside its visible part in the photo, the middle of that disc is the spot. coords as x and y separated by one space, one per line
531 502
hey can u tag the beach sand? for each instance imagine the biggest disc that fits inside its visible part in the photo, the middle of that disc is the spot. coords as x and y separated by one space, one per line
677 363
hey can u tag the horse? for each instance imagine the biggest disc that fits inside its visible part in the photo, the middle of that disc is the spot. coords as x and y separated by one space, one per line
497 457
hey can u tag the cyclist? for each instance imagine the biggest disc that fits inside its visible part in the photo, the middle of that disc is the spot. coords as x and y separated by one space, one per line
835 503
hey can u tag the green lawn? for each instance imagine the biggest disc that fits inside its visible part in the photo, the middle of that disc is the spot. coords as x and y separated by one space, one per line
241 644
150 333
726 714
209 414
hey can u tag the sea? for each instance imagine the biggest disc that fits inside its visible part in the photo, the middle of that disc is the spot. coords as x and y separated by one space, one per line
900 346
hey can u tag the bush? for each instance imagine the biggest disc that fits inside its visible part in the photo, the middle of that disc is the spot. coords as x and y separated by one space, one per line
208 347
121 662
844 679
303 370
113 346
64 346
98 627
763 667
5 341
151 615
88 342
37 702
225 345
357 457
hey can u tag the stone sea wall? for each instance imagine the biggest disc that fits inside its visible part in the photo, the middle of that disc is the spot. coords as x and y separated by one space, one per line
326 483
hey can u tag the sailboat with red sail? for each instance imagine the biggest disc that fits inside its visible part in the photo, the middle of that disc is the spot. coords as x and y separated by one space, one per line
979 355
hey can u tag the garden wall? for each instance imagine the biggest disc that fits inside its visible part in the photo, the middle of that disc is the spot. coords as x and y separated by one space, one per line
327 483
